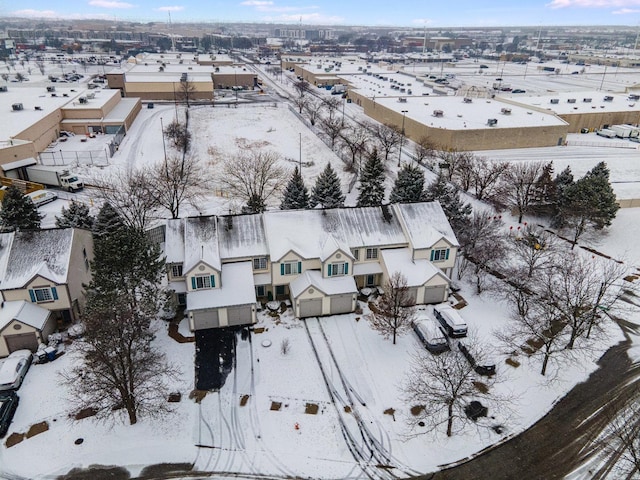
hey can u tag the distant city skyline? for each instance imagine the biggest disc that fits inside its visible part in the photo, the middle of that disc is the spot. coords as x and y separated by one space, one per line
406 13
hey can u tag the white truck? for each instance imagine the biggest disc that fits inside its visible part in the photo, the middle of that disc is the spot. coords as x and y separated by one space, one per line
338 89
622 131
606 132
54 176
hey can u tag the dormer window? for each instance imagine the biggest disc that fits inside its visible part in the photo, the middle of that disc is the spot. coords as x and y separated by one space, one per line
440 255
336 269
260 263
203 281
176 270
372 253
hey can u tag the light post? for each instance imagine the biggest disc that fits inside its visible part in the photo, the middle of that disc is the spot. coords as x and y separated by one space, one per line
235 81
344 101
404 113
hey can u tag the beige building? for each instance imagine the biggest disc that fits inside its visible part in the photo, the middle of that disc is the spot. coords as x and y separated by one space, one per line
220 267
24 325
48 268
35 117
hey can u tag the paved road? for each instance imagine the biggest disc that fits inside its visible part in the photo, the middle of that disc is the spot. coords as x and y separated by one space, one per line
555 445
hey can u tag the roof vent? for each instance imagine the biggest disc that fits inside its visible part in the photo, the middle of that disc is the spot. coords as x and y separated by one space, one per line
438 113
608 98
492 122
505 111
467 100
555 101
17 106
571 100
586 100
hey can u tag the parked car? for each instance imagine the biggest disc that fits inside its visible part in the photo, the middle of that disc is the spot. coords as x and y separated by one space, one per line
430 335
450 320
487 369
518 90
14 369
8 404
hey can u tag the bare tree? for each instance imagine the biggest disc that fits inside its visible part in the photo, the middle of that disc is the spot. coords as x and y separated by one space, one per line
579 289
313 111
521 185
179 180
301 88
536 329
120 369
331 105
354 139
440 387
388 137
486 175
130 194
41 66
254 176
20 77
531 250
451 160
620 440
179 135
424 149
187 92
393 313
332 127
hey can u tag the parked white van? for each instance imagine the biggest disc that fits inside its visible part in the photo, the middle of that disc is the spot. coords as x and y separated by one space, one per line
42 197
450 320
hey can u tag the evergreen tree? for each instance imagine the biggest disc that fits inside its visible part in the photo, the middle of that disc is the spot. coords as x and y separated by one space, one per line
371 188
77 215
408 186
545 192
126 266
454 208
18 212
327 191
589 201
296 194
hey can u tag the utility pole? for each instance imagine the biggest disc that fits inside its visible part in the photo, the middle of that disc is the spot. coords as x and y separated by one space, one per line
300 154
404 113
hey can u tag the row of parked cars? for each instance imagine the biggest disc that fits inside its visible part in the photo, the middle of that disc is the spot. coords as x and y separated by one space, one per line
450 325
12 372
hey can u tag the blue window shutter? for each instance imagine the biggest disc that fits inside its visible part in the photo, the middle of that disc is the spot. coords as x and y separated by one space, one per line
282 269
54 293
432 252
346 268
193 282
446 256
329 270
213 281
32 295
299 267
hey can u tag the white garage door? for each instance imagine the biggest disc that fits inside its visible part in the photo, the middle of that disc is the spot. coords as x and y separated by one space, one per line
412 294
205 319
239 315
342 303
310 308
434 294
21 341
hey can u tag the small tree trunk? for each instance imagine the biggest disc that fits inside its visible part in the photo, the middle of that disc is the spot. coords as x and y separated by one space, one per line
545 361
450 420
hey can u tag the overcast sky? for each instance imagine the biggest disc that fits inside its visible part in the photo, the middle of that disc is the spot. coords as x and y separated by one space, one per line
343 12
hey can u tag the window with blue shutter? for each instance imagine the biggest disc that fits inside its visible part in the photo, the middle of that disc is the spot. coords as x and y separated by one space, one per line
299 267
54 293
432 255
193 282
447 255
346 269
32 295
213 281
329 270
282 269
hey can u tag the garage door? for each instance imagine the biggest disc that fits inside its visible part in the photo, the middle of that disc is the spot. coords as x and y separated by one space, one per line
342 303
310 308
239 315
434 294
205 319
22 340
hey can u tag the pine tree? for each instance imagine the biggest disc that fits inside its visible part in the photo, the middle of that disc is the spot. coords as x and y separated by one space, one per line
327 191
371 188
296 194
546 192
562 182
18 212
589 201
448 195
408 186
77 215
126 265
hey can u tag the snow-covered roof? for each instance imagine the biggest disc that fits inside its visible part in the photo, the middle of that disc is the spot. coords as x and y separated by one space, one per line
174 241
580 102
328 286
201 236
235 289
417 272
25 312
331 245
23 255
304 231
367 268
241 236
425 224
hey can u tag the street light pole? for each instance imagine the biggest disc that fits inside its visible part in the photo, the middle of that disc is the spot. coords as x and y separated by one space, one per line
404 113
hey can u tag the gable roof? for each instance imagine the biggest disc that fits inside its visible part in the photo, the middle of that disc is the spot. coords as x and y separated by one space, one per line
201 242
417 272
425 224
174 241
24 312
331 245
23 255
328 286
241 236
